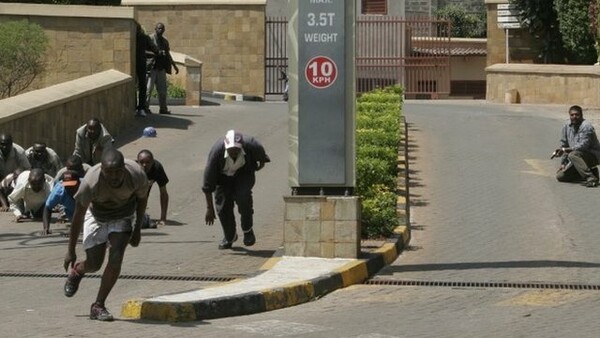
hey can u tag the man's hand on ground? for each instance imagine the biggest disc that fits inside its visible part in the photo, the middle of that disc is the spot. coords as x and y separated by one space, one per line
21 218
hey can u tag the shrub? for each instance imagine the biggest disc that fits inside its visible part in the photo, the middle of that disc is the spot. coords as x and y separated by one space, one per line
378 137
377 107
379 216
386 154
370 172
173 91
389 123
377 141
22 50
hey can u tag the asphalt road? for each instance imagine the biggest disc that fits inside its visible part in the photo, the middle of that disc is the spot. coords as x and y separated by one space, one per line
485 208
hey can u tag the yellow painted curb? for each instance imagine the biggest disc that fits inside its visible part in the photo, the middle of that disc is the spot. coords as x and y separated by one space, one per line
270 263
402 230
229 97
353 273
288 295
401 200
171 312
132 309
389 253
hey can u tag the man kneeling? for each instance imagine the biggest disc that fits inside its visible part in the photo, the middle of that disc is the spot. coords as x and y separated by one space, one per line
579 150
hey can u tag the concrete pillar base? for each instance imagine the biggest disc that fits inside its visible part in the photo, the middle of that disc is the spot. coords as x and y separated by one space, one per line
322 226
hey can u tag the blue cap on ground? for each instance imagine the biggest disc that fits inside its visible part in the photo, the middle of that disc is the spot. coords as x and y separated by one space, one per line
149 132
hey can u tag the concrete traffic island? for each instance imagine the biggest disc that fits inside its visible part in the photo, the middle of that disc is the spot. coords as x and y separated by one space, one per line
290 281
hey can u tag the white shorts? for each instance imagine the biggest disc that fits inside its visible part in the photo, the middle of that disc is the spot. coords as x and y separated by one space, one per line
96 233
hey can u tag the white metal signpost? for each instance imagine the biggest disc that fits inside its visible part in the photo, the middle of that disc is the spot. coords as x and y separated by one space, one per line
508 18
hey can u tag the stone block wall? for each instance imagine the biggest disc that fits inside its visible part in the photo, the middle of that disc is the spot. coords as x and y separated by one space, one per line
227 36
83 40
53 114
544 84
322 226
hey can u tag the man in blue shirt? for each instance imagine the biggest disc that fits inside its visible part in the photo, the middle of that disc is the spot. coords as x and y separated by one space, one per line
62 193
580 150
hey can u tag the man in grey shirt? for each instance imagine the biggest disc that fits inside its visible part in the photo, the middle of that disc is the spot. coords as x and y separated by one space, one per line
579 150
116 192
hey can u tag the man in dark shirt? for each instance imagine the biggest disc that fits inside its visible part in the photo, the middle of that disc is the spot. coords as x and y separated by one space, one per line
580 150
162 64
155 173
229 173
142 46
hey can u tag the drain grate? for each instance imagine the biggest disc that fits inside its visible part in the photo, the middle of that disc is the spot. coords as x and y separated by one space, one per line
509 285
133 277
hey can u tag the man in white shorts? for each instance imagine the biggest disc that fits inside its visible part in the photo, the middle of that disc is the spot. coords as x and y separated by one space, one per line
116 192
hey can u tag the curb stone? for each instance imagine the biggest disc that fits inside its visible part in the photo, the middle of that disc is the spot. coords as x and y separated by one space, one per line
293 293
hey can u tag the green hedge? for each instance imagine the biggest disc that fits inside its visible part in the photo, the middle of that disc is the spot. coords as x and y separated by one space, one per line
377 143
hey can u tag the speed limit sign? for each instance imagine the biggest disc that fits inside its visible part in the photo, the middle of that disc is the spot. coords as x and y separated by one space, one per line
320 72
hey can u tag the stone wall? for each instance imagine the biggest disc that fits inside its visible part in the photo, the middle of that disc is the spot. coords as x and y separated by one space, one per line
53 114
544 84
227 36
83 40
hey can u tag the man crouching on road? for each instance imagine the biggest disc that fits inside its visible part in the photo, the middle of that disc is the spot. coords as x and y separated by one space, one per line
580 150
116 191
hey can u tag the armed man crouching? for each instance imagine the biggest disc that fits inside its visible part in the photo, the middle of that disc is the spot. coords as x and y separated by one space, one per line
579 150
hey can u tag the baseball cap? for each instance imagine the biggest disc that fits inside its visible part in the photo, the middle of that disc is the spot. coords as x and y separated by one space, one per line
149 132
233 139
70 179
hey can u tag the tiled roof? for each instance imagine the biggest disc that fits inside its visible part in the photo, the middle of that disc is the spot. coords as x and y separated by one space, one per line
454 51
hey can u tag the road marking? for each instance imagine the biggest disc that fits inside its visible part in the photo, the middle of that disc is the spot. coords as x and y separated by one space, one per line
544 298
278 328
540 167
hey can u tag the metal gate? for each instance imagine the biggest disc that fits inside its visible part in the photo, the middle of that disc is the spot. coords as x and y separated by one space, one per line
276 61
390 50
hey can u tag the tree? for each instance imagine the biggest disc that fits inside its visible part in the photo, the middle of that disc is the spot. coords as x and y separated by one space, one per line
22 50
464 24
541 20
593 13
574 23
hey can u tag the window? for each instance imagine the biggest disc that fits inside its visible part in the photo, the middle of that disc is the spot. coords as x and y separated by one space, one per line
374 7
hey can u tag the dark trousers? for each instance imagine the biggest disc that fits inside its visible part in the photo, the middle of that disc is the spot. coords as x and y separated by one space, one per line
232 191
140 74
581 168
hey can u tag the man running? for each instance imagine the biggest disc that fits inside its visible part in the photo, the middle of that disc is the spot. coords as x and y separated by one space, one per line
115 190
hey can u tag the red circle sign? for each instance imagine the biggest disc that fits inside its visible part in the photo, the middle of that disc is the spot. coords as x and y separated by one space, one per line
320 72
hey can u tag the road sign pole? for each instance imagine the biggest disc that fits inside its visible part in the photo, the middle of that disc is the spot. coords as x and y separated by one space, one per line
507 58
